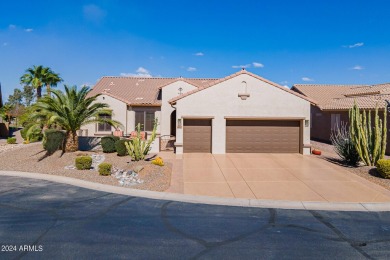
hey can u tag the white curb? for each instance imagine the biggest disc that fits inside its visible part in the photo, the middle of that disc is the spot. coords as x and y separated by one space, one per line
300 205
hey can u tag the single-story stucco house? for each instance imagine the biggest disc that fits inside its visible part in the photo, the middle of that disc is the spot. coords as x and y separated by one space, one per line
241 113
334 101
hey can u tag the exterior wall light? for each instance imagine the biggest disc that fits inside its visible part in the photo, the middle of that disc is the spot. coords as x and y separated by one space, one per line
179 123
307 123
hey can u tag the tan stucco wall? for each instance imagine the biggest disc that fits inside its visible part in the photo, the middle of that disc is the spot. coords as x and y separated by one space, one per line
169 92
222 101
118 113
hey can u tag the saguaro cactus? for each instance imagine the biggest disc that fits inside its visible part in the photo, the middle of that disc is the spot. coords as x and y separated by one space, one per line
370 141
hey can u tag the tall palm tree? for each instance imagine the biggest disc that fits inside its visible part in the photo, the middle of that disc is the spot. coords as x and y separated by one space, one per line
71 110
38 76
51 80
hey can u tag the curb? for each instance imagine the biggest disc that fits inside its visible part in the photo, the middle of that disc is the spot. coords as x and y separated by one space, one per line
297 205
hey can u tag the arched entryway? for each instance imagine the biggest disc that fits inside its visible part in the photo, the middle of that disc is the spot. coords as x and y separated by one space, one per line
173 123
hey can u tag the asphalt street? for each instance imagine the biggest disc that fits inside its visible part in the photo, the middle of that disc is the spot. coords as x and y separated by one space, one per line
47 220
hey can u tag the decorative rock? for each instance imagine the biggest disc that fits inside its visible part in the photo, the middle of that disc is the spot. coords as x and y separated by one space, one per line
96 160
138 168
126 178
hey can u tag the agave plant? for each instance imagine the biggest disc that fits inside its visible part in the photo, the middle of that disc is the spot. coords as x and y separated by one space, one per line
138 148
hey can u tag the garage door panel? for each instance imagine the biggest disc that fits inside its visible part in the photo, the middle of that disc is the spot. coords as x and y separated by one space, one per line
245 136
197 136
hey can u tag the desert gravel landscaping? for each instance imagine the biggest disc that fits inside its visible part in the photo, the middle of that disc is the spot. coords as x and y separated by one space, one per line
29 158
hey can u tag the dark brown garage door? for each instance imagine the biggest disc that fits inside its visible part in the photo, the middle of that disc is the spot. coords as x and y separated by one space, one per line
197 136
262 136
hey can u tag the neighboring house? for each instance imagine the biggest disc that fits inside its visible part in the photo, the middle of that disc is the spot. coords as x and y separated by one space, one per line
242 113
334 102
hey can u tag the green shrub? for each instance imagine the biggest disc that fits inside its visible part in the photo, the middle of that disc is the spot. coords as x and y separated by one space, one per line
83 162
105 169
53 140
383 167
120 147
108 143
11 140
31 133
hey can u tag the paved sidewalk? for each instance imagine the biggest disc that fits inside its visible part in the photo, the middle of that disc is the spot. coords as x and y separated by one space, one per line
291 177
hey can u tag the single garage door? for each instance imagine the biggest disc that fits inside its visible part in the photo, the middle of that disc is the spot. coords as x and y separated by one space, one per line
197 136
262 136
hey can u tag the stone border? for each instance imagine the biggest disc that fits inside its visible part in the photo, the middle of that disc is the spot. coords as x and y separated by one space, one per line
300 205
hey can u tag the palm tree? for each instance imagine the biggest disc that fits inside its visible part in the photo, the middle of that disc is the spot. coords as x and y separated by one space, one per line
71 110
51 80
38 76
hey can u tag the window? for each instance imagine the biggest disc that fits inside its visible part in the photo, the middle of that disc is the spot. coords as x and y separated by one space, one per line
334 121
146 119
104 127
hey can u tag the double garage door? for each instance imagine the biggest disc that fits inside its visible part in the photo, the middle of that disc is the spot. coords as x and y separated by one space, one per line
244 136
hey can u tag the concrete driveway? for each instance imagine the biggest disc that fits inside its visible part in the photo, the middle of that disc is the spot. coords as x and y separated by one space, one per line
272 177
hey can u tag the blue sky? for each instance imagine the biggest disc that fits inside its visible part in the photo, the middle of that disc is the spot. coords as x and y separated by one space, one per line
288 42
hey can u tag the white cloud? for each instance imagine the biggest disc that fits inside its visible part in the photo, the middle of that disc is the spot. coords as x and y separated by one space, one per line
12 26
307 79
88 84
93 13
284 82
357 67
28 30
5 44
358 44
257 65
241 66
191 69
286 86
141 73
199 54
142 70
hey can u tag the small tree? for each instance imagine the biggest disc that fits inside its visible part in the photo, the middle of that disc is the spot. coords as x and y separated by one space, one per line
28 95
138 148
16 98
370 142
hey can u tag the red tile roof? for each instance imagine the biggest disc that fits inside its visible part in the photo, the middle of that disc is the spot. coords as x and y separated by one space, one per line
243 71
137 91
342 97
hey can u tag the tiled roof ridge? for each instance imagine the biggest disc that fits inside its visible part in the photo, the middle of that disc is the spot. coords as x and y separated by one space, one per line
374 98
240 72
357 96
363 94
332 85
186 80
136 77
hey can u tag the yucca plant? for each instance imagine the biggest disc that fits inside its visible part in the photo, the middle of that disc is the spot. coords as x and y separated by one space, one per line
343 144
138 148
